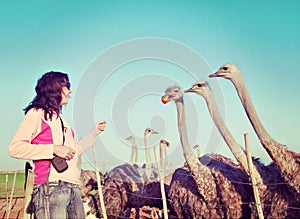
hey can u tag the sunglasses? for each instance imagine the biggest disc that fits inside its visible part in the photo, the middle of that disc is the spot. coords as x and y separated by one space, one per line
66 84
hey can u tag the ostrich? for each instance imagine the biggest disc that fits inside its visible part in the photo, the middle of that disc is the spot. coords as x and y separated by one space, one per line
88 182
163 154
121 192
268 195
124 188
202 88
197 147
151 193
149 172
134 152
286 160
205 191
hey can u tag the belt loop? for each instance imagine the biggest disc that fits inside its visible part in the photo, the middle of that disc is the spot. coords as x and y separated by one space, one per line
46 189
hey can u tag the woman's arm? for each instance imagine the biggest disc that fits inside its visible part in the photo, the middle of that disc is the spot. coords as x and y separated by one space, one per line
21 147
90 139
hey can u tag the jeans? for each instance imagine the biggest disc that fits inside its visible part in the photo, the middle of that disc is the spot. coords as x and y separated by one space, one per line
61 198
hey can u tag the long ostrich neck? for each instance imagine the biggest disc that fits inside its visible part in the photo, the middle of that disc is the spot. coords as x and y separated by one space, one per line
198 152
136 154
147 149
283 158
132 152
235 148
161 151
187 151
161 157
201 174
135 151
243 93
166 159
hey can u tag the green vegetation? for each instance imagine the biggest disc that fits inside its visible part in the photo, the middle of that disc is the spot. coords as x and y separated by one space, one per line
19 184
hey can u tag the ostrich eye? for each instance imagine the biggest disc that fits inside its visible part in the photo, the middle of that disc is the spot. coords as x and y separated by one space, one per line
176 91
199 85
225 68
148 130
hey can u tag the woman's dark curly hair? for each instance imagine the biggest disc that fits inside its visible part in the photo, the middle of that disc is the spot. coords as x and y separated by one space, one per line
48 93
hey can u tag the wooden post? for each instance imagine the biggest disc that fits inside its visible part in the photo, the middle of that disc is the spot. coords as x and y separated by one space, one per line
28 192
99 185
6 190
253 180
162 185
11 195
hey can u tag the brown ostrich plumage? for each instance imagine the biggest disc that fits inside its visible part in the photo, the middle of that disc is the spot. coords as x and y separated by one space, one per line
120 187
88 181
125 189
233 196
278 199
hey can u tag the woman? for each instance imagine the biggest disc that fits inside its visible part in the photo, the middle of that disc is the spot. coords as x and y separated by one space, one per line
43 135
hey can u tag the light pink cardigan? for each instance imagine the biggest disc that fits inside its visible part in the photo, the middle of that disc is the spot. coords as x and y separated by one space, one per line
34 140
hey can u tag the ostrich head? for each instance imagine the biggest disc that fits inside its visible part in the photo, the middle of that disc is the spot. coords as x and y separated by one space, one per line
130 138
164 143
150 131
196 146
228 71
200 87
172 93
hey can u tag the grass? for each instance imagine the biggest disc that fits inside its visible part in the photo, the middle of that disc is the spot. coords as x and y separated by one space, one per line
19 184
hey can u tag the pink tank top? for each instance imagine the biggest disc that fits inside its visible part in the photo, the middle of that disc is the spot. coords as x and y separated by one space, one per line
42 167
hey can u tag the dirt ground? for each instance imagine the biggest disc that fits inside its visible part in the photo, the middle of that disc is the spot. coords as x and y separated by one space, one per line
17 208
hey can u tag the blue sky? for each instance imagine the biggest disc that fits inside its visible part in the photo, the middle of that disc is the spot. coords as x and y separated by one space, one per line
261 37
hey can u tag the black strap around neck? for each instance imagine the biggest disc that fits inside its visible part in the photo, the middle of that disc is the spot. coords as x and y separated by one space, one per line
63 130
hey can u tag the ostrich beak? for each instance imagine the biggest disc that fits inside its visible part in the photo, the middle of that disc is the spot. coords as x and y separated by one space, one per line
189 90
155 132
214 75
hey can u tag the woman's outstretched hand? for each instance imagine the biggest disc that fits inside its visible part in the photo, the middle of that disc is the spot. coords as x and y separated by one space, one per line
100 127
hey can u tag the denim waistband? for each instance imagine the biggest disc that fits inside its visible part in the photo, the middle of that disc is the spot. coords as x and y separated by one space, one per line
59 182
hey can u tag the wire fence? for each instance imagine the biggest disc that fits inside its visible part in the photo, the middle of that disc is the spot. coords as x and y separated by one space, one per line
6 188
278 207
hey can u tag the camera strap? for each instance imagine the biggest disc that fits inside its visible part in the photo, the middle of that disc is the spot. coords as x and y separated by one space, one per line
63 130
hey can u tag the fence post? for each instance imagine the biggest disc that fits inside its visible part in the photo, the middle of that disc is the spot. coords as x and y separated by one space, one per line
253 180
104 215
6 190
11 195
162 185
